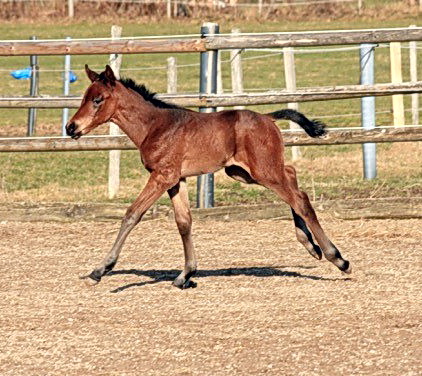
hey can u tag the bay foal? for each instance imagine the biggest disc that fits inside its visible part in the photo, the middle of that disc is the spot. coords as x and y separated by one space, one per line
176 143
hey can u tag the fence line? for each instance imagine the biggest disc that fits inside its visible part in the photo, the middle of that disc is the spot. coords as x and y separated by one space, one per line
275 53
122 142
243 99
210 44
182 44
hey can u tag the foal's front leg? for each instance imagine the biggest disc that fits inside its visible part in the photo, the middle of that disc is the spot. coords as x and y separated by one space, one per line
155 187
180 200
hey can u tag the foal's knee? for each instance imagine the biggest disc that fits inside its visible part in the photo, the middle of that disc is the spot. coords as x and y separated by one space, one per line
184 224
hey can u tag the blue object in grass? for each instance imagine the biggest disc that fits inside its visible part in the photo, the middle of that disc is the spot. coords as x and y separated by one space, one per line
21 74
72 77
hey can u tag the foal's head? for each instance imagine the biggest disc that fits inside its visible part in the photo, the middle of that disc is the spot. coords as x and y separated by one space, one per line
98 104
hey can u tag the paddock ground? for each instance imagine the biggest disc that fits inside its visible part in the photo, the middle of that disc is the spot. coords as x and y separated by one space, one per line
262 305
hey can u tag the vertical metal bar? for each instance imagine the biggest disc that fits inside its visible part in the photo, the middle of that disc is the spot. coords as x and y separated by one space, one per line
207 85
33 91
368 110
66 90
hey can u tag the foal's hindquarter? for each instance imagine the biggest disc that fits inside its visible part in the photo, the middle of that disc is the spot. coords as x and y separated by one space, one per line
177 143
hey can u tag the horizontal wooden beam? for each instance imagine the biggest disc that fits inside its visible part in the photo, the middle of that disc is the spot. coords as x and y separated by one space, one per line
122 142
100 47
315 38
230 99
198 44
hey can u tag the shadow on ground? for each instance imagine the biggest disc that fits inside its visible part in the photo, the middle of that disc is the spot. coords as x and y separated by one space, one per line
171 274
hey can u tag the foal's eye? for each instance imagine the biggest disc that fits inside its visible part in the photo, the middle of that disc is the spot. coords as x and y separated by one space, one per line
97 100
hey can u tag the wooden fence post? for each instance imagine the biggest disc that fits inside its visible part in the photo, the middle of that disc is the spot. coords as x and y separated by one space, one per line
236 70
70 8
290 76
169 9
220 89
171 75
396 78
413 78
360 6
175 8
114 155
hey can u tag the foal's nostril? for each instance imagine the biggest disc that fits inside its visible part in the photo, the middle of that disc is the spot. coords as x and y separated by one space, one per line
70 129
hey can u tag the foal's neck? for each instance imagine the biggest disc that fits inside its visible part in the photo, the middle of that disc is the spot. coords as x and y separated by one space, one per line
134 115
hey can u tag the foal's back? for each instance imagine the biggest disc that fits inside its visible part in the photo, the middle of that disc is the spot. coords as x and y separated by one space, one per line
206 142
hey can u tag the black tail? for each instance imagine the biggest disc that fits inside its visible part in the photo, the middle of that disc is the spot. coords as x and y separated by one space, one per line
313 128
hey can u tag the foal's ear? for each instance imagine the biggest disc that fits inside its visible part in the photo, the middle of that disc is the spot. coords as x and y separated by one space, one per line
109 75
93 76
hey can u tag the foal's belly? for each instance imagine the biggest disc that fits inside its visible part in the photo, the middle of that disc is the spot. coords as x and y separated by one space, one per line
200 166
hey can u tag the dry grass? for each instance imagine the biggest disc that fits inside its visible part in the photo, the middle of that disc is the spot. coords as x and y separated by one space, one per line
104 11
262 305
334 174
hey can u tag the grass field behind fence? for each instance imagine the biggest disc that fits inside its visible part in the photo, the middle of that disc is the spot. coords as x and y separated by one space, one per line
325 172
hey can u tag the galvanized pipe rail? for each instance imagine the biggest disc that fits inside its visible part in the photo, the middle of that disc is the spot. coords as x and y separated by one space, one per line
299 138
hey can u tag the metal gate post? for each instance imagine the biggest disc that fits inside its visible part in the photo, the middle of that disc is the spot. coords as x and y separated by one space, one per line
368 110
207 85
33 91
66 90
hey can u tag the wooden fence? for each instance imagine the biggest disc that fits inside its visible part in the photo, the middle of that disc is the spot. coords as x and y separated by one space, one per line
205 43
91 143
230 99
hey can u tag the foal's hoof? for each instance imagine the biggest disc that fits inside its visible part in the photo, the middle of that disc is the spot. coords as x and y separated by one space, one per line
316 252
347 267
90 279
185 285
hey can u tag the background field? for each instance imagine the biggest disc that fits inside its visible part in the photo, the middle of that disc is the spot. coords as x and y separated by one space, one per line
325 172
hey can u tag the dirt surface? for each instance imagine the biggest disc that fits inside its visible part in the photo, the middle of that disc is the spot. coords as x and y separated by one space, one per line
262 305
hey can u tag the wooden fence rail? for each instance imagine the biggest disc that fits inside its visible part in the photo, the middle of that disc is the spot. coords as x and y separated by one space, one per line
181 44
122 142
230 99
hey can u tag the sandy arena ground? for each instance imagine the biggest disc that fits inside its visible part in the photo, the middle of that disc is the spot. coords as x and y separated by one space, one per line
262 305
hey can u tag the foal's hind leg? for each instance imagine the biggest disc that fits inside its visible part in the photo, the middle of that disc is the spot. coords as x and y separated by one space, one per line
305 237
155 187
180 200
285 185
302 233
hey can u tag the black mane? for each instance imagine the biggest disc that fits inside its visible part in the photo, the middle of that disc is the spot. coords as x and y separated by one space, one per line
146 94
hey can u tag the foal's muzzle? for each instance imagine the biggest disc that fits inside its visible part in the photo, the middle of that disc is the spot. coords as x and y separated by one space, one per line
71 131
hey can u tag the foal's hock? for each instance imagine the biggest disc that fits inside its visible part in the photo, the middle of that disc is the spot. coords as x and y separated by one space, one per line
176 143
